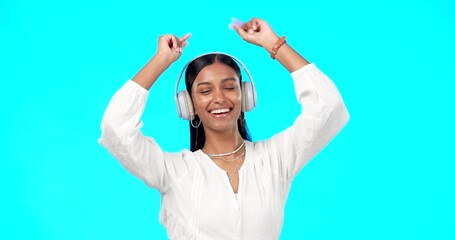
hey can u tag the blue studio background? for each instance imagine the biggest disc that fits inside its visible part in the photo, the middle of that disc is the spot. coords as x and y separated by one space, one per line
388 175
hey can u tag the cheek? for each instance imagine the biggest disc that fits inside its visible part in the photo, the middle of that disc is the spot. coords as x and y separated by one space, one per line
237 97
199 103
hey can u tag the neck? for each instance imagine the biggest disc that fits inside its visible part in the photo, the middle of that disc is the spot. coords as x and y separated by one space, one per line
222 142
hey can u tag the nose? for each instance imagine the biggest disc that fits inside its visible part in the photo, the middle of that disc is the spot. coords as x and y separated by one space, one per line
219 96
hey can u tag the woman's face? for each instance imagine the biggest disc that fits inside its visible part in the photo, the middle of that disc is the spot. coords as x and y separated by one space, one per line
216 96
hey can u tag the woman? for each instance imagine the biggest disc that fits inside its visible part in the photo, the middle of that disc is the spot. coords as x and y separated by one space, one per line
226 187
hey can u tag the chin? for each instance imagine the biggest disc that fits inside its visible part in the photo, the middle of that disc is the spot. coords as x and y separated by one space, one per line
221 126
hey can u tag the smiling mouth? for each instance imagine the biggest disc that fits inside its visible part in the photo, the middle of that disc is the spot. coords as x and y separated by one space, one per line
220 112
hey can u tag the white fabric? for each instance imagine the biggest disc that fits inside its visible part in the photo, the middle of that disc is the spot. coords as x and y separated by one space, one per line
197 199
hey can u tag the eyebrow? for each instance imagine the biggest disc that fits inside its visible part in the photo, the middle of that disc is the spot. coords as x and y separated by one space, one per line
222 81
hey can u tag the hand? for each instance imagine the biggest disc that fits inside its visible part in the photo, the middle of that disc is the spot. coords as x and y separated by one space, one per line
170 47
256 31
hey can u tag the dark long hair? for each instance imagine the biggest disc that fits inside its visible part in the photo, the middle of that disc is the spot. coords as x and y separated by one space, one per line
197 135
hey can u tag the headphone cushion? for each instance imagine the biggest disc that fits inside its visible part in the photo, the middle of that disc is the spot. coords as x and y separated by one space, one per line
248 101
185 105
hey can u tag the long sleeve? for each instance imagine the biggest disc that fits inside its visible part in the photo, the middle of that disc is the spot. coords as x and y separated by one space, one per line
323 116
140 155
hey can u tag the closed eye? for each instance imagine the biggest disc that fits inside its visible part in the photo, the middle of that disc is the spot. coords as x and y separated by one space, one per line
230 88
205 91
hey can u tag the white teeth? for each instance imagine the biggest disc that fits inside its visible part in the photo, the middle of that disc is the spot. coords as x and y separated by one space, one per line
224 110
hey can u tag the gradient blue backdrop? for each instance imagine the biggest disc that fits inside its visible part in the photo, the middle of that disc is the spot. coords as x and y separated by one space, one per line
388 175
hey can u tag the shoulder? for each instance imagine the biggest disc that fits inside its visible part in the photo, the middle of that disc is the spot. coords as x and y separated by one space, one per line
183 154
183 157
259 149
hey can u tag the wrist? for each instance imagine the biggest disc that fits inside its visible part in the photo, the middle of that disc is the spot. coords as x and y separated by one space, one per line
162 59
277 46
269 42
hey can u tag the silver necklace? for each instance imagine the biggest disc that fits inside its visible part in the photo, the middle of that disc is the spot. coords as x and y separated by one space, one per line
231 174
230 160
227 154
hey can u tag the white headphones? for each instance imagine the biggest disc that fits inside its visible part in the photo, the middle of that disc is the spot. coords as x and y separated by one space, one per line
183 100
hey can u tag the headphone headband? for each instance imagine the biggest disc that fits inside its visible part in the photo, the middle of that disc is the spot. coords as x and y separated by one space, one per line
232 57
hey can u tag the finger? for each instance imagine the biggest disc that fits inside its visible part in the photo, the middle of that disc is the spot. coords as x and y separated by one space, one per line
183 45
258 22
233 25
237 22
246 26
261 23
175 44
254 24
249 27
183 42
240 32
185 37
170 41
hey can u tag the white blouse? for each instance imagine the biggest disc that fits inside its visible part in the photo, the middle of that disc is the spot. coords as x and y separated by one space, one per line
197 199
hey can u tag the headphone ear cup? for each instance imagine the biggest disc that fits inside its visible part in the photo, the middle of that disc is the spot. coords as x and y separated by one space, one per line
248 100
185 106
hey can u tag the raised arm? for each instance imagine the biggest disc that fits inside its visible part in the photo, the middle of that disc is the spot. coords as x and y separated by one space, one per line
323 111
259 32
121 125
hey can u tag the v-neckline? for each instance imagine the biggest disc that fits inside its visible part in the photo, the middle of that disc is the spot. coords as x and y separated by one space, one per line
224 173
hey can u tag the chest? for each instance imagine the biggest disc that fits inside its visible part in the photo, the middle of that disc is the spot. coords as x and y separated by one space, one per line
207 197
